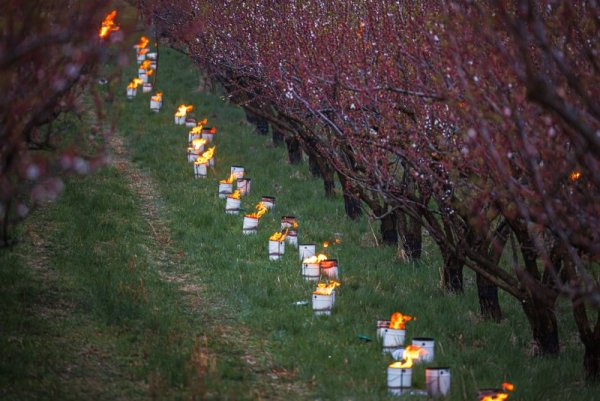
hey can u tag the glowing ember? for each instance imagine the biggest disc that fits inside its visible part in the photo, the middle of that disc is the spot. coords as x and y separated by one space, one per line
501 395
183 110
135 83
315 259
143 42
213 130
575 175
398 320
278 236
206 156
157 97
326 244
261 209
235 195
326 289
411 352
108 25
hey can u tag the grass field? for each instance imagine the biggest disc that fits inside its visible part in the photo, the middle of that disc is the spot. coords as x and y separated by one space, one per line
113 295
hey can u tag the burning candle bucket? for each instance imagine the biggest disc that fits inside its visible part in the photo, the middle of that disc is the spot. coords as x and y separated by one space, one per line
428 345
244 184
141 57
211 161
232 205
151 55
322 304
144 77
209 136
193 154
131 92
191 136
276 249
147 87
141 71
310 271
179 120
288 222
292 238
155 106
382 326
237 172
393 339
329 268
190 122
200 170
250 225
152 64
398 379
488 392
268 201
437 381
306 250
225 188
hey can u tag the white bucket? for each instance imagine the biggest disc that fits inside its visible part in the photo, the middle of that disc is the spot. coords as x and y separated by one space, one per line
232 205
437 381
305 251
155 106
322 304
191 137
200 170
152 63
237 172
147 87
268 201
276 249
393 339
244 184
209 136
382 325
310 271
131 92
179 120
190 122
225 189
151 55
292 238
288 222
428 344
141 71
250 225
144 77
398 379
211 161
329 268
141 57
192 155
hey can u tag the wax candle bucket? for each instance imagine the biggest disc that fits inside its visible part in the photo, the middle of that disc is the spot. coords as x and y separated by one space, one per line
147 87
200 170
288 222
393 339
141 71
211 161
152 64
237 172
276 249
225 189
131 92
250 225
144 77
268 201
179 120
428 344
437 381
398 380
193 154
209 136
311 271
155 106
141 57
329 268
306 250
382 326
232 205
191 136
190 122
322 304
292 238
244 184
151 55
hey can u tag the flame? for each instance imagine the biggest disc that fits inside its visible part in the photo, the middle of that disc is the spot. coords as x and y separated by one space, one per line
325 244
143 51
196 130
183 110
260 210
197 144
326 289
157 97
575 175
315 259
206 156
108 25
235 195
203 122
143 42
149 71
145 65
278 236
228 180
213 130
398 320
135 83
508 386
411 352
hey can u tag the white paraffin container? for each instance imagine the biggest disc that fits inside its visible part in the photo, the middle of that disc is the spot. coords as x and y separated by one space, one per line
209 136
393 339
244 185
151 55
398 379
437 381
131 92
179 120
200 170
250 225
237 172
225 189
155 106
232 205
329 268
140 57
382 325
147 87
268 201
292 238
276 249
190 122
305 251
323 304
428 345
310 271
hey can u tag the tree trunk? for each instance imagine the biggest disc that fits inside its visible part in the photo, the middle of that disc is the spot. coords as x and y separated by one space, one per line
352 203
294 150
543 326
313 165
262 126
277 136
328 181
591 361
389 229
250 116
453 273
488 299
411 235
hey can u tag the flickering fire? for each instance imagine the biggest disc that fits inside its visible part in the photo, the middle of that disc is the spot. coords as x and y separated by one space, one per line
235 195
145 65
575 175
326 244
398 320
149 71
278 236
326 289
411 352
108 25
183 110
197 143
143 42
315 259
213 130
501 395
202 123
227 180
261 209
157 97
135 83
206 156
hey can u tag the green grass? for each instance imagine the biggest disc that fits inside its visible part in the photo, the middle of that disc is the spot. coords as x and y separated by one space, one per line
87 330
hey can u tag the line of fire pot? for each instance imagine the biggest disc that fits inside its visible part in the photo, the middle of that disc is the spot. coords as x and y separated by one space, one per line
147 65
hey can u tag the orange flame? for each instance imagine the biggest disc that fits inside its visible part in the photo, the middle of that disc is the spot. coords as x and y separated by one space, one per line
575 175
501 395
398 320
235 195
202 123
135 83
278 236
326 289
149 71
196 131
228 180
326 244
315 259
197 144
261 209
411 352
143 42
157 97
206 156
108 25
145 65
213 130
183 110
